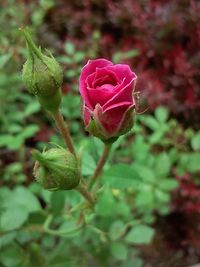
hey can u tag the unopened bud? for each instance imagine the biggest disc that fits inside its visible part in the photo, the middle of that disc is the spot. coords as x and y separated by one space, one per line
42 75
56 169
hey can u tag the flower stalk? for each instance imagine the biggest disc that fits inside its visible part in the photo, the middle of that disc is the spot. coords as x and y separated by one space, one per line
93 179
82 189
64 130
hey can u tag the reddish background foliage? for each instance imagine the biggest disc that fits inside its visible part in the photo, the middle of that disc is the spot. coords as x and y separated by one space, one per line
166 34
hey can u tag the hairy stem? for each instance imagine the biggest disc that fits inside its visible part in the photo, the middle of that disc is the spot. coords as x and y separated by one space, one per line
93 179
81 188
64 130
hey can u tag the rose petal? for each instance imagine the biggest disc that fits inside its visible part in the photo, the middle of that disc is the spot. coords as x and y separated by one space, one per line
90 79
88 69
123 71
101 95
125 94
104 75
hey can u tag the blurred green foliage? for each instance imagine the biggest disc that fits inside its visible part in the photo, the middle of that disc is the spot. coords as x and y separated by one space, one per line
36 226
133 191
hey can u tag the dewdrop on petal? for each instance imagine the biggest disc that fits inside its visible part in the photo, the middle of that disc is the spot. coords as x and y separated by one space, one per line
56 169
42 75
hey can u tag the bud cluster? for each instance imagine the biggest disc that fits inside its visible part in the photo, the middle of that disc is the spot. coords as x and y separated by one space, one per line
108 112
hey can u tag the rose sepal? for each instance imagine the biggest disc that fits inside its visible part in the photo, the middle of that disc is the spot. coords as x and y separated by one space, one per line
95 126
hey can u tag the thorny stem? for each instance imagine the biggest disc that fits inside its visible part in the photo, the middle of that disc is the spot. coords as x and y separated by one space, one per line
100 165
64 130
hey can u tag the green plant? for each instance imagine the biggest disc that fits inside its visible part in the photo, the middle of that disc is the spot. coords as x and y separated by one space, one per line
135 186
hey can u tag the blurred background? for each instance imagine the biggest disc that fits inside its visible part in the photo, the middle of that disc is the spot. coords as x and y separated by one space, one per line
148 211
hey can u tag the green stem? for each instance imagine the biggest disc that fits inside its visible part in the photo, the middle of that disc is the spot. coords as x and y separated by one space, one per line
60 232
81 188
64 130
93 179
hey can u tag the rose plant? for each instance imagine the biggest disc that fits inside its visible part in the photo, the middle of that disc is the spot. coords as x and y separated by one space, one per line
107 91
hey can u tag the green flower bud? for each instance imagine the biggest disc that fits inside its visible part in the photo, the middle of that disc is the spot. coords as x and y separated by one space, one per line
42 75
56 169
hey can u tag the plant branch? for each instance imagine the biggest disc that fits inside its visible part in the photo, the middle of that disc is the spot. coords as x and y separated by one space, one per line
99 166
64 130
81 188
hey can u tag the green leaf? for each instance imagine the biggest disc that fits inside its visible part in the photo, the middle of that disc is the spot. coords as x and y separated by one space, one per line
105 204
5 139
15 128
189 162
145 173
29 131
122 209
130 54
4 59
116 230
17 205
79 56
140 149
14 142
7 239
144 198
161 114
119 251
163 164
70 73
65 59
195 142
32 108
168 184
118 56
57 202
156 137
162 196
47 4
13 218
88 164
136 262
121 176
12 256
140 234
150 122
69 48
22 197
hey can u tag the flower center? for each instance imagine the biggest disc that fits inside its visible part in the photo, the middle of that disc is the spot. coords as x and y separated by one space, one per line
107 87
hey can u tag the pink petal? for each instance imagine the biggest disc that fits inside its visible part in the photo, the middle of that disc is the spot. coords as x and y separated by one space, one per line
102 94
123 71
104 75
99 96
88 69
90 79
124 95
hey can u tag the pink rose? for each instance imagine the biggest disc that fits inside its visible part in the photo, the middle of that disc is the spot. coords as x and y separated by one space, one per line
108 102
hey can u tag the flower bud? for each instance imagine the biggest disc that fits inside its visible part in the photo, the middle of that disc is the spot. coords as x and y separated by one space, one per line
108 101
56 169
42 75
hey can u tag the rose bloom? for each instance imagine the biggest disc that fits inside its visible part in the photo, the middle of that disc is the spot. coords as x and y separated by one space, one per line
108 102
